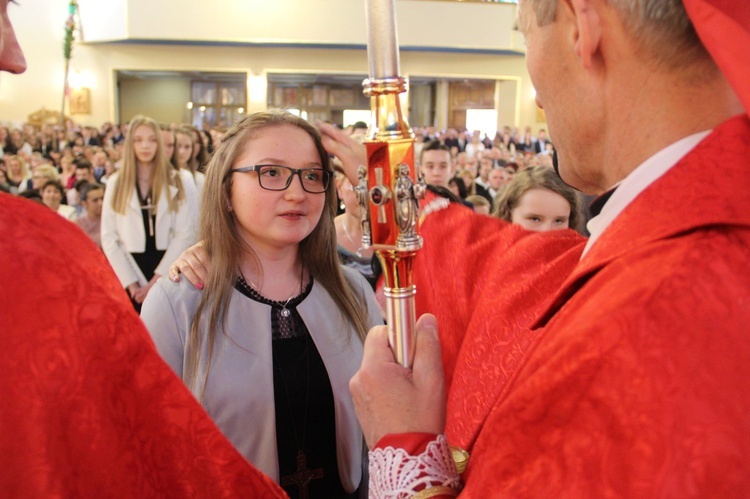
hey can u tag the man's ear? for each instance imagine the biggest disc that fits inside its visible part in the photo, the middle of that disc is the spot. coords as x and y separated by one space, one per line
588 32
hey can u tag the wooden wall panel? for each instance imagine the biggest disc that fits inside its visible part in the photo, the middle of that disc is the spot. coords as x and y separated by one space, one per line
468 94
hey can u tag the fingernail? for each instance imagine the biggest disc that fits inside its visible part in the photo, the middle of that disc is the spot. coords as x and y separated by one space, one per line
199 285
429 322
431 330
175 278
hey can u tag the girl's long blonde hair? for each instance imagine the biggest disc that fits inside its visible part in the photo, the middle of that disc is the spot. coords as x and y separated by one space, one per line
162 177
226 248
21 162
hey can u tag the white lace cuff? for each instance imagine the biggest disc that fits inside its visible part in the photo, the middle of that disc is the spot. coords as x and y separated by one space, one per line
394 474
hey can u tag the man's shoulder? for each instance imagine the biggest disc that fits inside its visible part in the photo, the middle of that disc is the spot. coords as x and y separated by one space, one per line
694 267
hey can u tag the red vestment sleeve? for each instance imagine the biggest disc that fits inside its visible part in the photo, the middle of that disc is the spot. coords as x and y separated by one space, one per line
486 281
413 443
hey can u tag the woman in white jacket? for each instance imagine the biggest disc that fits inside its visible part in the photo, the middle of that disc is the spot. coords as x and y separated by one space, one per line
146 220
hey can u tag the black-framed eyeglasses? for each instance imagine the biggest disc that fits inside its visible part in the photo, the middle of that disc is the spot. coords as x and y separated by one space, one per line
279 178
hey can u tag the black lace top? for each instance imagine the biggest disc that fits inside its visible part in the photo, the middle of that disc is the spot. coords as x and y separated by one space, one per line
303 400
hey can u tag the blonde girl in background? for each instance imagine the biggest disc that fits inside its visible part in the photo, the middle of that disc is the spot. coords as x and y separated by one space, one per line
146 220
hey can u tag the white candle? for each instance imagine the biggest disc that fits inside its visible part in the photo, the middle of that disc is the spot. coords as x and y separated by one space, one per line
382 40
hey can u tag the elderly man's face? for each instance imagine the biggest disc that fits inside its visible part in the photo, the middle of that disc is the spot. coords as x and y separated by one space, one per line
11 56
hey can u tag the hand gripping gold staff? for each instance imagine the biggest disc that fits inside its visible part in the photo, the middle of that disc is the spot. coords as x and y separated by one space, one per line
388 189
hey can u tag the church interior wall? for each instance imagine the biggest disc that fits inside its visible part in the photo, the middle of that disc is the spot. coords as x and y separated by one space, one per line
94 65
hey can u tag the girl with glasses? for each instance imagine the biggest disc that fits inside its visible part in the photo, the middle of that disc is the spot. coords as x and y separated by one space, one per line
271 342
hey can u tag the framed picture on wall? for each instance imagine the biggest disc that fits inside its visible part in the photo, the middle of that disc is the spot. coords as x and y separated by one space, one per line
79 101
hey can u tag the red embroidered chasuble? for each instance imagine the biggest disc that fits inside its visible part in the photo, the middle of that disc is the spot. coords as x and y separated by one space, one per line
88 408
633 380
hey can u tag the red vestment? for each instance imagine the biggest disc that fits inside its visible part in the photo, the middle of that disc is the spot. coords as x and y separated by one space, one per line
87 406
633 381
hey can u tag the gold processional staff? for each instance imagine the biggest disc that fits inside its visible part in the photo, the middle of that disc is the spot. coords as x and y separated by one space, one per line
388 189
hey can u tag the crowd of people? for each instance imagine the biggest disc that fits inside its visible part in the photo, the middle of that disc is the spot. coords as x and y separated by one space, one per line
62 165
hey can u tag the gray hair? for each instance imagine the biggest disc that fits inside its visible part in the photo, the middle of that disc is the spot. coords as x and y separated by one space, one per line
661 28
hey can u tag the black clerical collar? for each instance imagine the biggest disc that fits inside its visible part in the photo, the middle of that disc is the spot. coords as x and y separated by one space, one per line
597 204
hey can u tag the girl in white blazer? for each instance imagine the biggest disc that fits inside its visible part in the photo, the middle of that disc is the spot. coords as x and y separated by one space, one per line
146 217
271 343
